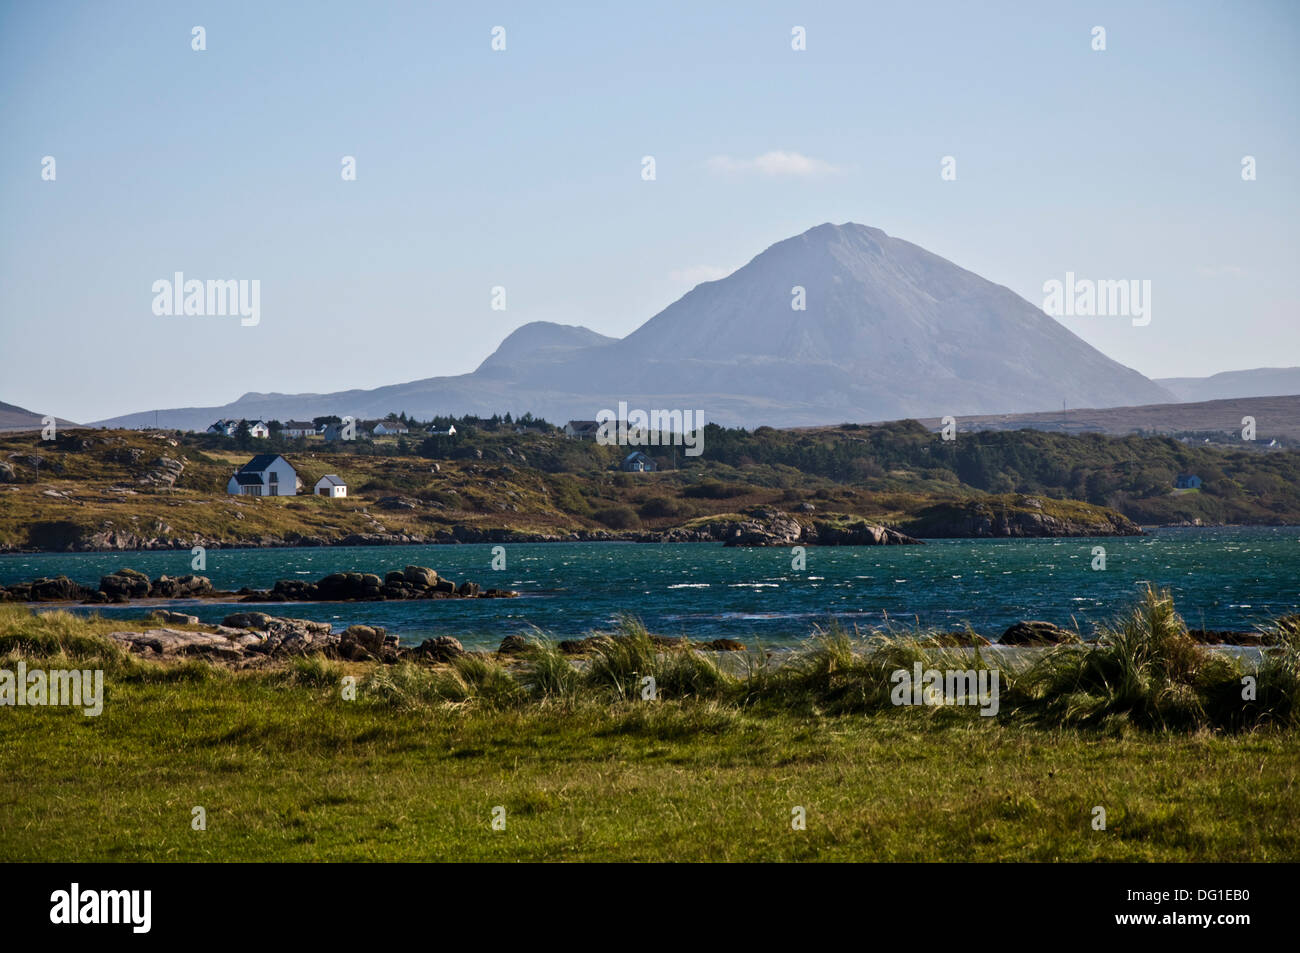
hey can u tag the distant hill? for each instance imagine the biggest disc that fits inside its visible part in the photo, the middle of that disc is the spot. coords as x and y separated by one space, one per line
888 330
1260 382
20 418
1274 417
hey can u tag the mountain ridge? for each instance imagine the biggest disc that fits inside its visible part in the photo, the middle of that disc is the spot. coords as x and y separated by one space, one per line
887 330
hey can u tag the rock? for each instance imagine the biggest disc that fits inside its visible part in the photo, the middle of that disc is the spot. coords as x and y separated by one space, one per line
513 645
467 589
174 618
396 503
394 575
360 643
248 620
1222 637
177 642
444 648
420 576
58 589
956 639
125 582
445 585
1037 633
724 645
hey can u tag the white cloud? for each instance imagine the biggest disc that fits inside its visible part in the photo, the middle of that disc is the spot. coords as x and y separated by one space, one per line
773 164
695 274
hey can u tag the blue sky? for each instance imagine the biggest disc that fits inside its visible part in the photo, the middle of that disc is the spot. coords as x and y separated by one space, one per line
522 168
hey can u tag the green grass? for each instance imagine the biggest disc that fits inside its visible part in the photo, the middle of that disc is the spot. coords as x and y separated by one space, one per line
290 772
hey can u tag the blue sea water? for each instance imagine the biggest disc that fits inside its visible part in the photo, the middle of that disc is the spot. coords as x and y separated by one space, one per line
1222 578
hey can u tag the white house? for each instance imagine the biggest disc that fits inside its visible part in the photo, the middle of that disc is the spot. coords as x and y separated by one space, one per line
267 474
230 428
387 427
298 428
331 484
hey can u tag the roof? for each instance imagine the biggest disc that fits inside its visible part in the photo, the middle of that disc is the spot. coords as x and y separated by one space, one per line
299 425
248 479
634 454
584 424
331 478
262 462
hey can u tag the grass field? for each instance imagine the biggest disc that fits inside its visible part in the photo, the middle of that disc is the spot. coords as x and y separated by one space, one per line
720 767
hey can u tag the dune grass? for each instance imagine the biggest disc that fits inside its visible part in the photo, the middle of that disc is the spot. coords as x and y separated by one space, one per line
1141 724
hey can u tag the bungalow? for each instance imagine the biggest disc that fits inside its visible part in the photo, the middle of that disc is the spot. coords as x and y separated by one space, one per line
386 427
637 462
450 431
1188 481
259 428
267 474
332 485
299 428
581 429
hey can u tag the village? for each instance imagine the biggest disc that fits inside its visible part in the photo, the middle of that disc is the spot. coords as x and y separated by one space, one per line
272 474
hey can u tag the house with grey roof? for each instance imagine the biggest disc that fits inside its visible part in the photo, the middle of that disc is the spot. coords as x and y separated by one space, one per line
267 474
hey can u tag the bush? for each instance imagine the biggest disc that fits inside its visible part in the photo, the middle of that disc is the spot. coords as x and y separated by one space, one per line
620 516
715 490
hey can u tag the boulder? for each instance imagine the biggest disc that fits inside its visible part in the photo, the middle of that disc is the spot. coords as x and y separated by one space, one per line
1037 633
125 582
58 589
420 576
724 645
513 645
174 618
444 648
248 620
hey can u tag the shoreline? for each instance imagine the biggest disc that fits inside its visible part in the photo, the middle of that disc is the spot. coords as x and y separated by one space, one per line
505 537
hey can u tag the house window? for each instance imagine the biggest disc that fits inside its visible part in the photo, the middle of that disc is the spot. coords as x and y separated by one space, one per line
275 477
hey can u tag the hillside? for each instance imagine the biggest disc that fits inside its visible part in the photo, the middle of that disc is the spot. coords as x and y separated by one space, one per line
887 330
20 418
1217 420
1258 382
129 489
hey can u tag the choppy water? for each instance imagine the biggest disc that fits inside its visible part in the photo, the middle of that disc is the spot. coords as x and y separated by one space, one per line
1222 579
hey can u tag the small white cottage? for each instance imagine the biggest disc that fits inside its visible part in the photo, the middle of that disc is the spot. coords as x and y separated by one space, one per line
331 485
267 474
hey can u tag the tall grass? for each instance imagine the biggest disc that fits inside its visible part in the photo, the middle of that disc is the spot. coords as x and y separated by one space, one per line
1144 671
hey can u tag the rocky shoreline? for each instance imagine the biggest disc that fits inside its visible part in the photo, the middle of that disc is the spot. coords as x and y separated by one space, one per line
256 639
124 585
756 526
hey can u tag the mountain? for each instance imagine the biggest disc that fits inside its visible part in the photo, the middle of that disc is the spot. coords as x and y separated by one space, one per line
888 330
1260 382
20 418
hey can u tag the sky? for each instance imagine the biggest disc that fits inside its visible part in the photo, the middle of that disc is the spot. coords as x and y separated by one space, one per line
522 168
